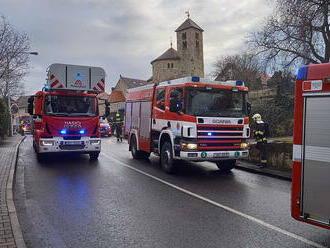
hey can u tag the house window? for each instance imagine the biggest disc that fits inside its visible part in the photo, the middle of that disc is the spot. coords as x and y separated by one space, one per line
184 36
184 44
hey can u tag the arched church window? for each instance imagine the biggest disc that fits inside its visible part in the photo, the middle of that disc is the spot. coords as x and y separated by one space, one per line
196 36
197 44
184 44
184 36
168 65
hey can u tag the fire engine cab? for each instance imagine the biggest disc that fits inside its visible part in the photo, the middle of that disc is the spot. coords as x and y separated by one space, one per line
189 119
310 197
65 113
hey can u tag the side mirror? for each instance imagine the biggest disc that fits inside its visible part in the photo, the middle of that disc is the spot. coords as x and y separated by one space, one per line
30 105
248 107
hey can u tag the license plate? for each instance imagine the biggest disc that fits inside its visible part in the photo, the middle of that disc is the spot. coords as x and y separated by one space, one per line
221 155
72 142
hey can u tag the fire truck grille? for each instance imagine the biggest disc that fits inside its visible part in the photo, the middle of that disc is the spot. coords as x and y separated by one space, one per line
225 137
71 147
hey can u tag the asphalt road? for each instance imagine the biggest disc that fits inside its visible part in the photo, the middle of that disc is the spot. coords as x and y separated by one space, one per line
69 201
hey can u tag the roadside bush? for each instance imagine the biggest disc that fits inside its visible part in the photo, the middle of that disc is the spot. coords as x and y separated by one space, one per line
278 113
4 118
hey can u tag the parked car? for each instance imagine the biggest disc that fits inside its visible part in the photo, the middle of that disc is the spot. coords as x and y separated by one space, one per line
105 129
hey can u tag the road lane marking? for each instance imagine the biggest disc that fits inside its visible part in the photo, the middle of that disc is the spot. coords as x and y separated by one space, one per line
229 209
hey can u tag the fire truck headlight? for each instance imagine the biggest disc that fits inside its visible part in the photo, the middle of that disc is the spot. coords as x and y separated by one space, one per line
192 146
46 143
95 142
244 145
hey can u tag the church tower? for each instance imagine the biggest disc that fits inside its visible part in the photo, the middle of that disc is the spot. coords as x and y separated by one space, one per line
190 48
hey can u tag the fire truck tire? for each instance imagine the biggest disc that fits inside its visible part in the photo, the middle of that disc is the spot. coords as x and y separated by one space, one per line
226 165
166 158
94 155
135 153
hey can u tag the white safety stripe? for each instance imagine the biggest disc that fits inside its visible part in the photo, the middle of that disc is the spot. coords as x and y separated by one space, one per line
317 153
296 154
229 209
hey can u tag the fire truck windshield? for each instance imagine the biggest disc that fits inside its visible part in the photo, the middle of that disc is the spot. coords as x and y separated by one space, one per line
70 105
215 102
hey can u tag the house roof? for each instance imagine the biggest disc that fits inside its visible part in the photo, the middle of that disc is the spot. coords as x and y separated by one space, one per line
116 96
103 95
170 53
188 23
131 82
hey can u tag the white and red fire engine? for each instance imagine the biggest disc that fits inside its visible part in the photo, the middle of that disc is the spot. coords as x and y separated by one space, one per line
310 197
189 118
65 113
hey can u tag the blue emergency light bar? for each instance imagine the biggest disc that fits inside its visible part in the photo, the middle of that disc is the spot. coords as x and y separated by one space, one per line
195 79
63 131
239 83
302 72
82 131
209 134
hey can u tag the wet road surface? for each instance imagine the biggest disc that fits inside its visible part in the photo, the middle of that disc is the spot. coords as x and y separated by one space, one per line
116 201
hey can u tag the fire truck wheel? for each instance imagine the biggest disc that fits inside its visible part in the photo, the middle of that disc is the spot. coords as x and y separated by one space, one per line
226 165
94 155
135 153
166 158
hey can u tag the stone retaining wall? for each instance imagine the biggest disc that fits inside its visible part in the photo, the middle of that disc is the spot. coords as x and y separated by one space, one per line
279 155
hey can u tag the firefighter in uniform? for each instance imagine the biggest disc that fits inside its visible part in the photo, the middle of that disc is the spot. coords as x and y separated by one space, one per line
118 124
261 133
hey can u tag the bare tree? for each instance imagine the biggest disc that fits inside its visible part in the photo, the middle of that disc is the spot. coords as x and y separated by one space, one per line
297 32
14 58
244 67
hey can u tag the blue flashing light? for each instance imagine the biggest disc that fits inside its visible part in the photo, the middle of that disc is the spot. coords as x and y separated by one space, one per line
209 134
195 79
47 87
239 83
63 131
302 72
82 131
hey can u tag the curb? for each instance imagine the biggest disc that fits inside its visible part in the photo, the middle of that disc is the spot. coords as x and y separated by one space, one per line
264 171
16 228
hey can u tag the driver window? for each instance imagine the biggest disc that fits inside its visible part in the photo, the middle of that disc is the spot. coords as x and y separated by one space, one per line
160 99
176 99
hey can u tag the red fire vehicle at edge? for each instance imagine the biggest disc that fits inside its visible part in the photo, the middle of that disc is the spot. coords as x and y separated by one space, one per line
310 201
65 113
189 118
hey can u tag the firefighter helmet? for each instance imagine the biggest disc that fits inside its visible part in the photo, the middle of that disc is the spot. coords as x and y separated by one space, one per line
256 117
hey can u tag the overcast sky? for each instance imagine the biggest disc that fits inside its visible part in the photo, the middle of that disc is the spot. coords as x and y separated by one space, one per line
124 36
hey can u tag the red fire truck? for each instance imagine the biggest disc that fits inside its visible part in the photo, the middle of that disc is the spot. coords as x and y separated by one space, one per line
190 119
65 113
310 197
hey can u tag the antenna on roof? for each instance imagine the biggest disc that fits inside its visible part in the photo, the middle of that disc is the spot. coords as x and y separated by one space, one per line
188 14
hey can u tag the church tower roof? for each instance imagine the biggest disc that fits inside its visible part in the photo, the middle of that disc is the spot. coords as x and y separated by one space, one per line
188 23
170 53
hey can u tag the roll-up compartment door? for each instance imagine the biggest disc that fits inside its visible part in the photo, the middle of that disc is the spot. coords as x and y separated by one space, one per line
316 160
